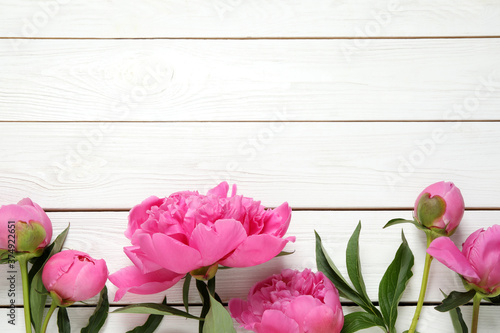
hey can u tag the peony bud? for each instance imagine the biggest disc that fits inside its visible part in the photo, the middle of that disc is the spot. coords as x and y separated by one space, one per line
478 261
71 276
440 207
24 228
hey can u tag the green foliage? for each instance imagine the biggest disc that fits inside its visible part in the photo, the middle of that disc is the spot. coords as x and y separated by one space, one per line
391 287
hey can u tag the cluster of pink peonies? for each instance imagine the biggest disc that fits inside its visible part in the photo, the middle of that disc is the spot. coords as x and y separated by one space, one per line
191 233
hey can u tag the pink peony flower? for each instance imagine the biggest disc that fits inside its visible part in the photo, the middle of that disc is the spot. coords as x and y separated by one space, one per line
478 263
440 206
292 302
71 276
192 233
29 223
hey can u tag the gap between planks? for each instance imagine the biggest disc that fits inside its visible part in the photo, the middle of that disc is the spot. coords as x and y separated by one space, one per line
254 38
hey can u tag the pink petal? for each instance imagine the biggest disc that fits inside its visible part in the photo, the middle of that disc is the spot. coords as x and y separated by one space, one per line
130 279
169 253
322 319
241 312
274 321
300 307
256 250
90 280
484 256
220 190
217 241
140 260
447 253
279 221
139 215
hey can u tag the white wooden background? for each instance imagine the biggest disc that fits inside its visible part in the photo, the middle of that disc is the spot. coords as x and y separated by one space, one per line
346 109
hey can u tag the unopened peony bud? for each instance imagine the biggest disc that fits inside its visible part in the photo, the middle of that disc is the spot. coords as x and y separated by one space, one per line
440 207
71 276
24 228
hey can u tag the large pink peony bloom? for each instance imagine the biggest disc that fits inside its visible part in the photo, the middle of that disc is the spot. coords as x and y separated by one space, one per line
292 302
33 228
440 206
71 276
479 261
189 232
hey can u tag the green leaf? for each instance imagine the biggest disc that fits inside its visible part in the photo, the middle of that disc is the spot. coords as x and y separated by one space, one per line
151 324
63 321
153 308
454 299
326 266
185 291
357 321
394 283
205 300
218 320
354 264
98 318
285 253
400 221
457 319
38 293
494 300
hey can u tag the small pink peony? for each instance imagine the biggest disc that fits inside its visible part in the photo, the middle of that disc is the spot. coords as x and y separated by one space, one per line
72 276
440 206
292 302
192 233
478 263
31 226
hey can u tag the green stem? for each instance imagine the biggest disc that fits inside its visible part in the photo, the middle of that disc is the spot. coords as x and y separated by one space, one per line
23 263
475 312
53 306
423 288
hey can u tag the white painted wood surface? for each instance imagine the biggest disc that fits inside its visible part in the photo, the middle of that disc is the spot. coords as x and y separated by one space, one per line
221 80
257 18
294 101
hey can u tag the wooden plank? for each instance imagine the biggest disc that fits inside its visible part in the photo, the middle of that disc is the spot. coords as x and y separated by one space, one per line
430 321
236 80
238 18
101 235
310 165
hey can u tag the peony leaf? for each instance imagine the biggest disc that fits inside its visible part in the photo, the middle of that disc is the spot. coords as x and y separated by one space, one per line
153 308
285 253
326 265
63 323
394 283
151 324
457 319
98 318
205 299
357 321
400 221
454 299
218 319
354 264
38 293
185 291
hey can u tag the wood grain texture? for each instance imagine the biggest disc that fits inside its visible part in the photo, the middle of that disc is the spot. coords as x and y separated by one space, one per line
431 321
101 235
238 18
310 165
246 80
